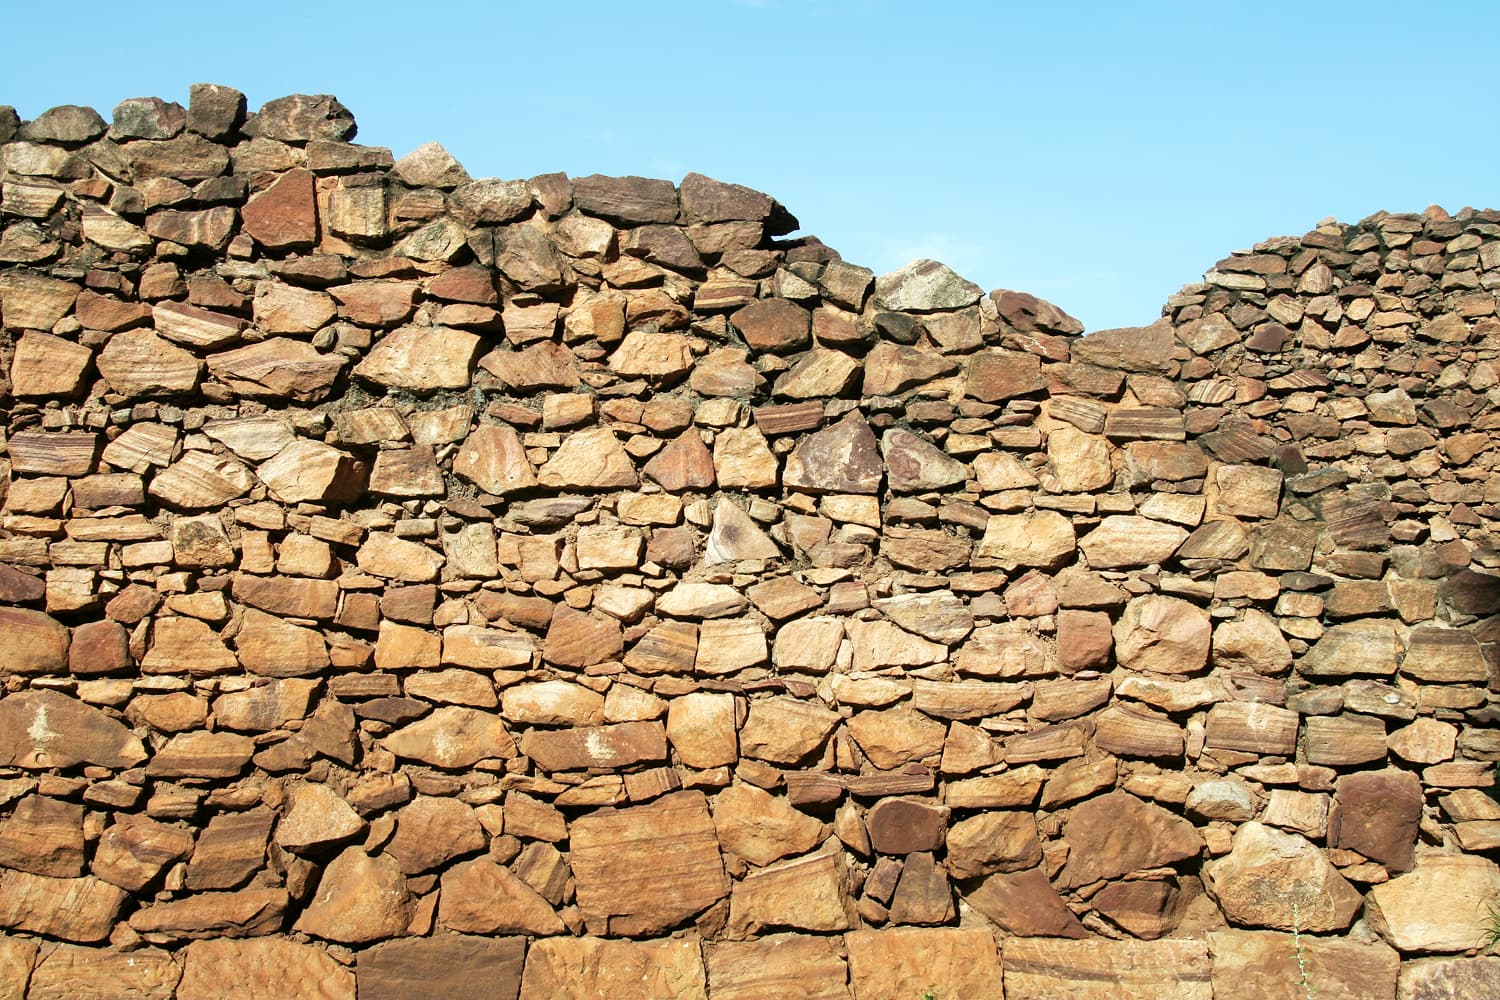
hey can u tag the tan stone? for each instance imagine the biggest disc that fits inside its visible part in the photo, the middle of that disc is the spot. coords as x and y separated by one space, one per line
493 459
201 479
280 308
42 729
807 893
316 816
273 647
385 555
1116 833
135 850
421 359
74 909
1280 881
45 365
481 897
1043 539
359 899
785 730
1439 906
43 836
1253 643
1079 462
453 737
278 368
805 966
69 972
1253 727
613 746
1164 635
1101 969
950 963
486 648
553 703
647 868
590 459
458 967
32 642
701 729
577 639
843 458
896 736
262 968
1124 540
762 828
566 967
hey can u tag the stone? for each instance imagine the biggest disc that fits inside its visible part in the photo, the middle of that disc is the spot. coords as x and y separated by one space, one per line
1080 462
553 703
949 963
895 737
461 967
1440 978
762 828
1163 635
262 967
596 967
1441 905
231 848
41 729
925 286
301 118
134 851
807 893
43 836
1279 880
421 359
1253 727
273 647
626 200
208 230
45 365
74 909
1444 656
1342 740
590 459
33 302
785 730
278 368
481 897
1255 642
1123 540
1101 969
1043 539
383 554
684 464
311 470
880 644
1116 833
843 458
808 644
1248 965
316 816
727 645
1135 731
1366 648
995 376
773 325
1024 904
201 479
187 645
892 368
614 746
780 964
913 465
1004 841
645 869
453 737
70 972
359 899
196 326
32 642
69 124
577 639
741 458
1376 813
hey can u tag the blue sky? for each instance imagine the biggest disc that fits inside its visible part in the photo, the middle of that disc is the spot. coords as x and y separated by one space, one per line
1099 155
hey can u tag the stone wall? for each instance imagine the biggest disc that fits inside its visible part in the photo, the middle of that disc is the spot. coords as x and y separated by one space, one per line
573 587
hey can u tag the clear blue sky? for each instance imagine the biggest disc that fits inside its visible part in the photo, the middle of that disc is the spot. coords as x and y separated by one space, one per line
1100 155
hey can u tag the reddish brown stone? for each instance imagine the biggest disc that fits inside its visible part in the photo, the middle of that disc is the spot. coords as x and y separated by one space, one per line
284 216
1376 813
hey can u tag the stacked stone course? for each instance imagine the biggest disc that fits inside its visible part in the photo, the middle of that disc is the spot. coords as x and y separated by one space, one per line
574 587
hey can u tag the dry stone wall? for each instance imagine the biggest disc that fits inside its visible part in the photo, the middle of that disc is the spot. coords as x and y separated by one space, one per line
577 587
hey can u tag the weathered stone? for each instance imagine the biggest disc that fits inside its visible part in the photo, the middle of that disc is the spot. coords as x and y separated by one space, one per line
229 850
45 365
1441 978
1248 965
896 736
591 459
1101 969
1253 727
785 730
32 642
453 737
201 479
1281 881
43 836
595 967
316 816
596 747
1444 656
762 828
278 368
1128 540
1043 539
1117 833
1164 635
421 359
359 899
134 851
780 964
272 647
1253 643
948 962
74 909
265 967
460 967
1439 906
70 972
807 893
843 458
1376 813
647 868
300 118
42 729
